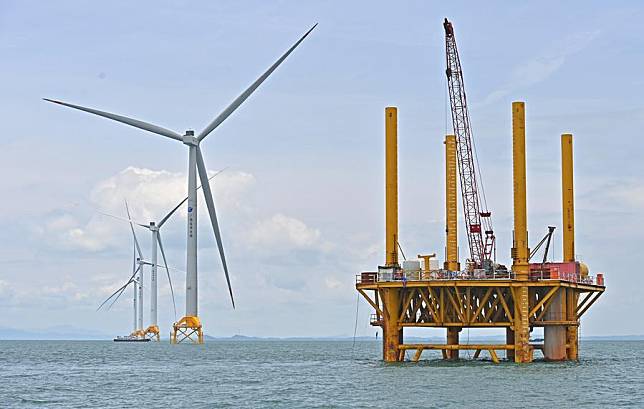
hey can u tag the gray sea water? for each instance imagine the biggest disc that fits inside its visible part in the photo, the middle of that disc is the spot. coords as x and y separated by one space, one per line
305 374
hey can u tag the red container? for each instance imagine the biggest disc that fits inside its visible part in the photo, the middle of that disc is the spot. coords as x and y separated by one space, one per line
600 279
368 277
554 273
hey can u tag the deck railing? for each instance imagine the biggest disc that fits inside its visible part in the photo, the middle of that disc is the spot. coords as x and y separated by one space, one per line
444 275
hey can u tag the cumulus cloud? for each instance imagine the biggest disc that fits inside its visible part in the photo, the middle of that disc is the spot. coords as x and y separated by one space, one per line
281 230
151 195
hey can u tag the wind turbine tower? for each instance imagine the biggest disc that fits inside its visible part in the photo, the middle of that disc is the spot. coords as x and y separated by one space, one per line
189 327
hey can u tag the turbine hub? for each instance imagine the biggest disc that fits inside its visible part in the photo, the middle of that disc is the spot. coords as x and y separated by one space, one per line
189 139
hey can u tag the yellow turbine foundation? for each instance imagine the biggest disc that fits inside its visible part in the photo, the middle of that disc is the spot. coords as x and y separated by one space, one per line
152 332
139 333
188 330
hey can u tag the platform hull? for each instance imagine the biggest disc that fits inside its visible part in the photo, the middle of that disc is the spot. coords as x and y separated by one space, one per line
480 303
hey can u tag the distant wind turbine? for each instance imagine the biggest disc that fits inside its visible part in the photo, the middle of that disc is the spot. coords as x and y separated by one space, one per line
152 331
136 279
190 323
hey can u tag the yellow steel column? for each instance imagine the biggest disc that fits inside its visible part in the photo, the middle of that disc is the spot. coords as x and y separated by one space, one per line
509 339
392 334
451 240
568 222
391 186
452 339
572 334
568 198
520 250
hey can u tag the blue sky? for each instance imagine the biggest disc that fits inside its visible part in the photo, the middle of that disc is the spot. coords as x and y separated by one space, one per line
301 204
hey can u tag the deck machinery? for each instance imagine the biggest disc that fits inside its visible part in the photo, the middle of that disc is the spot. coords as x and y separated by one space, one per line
546 294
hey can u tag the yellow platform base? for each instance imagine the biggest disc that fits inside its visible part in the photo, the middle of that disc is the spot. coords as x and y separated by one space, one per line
138 333
152 332
188 330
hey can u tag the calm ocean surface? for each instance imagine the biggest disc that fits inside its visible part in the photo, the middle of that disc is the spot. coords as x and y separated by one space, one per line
306 374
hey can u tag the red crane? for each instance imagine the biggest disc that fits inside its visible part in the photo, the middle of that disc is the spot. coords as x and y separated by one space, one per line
478 222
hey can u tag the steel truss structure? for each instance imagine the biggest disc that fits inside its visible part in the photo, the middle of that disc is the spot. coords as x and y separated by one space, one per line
187 330
458 304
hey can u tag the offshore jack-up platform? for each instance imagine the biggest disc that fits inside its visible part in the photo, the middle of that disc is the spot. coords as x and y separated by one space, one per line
550 295
484 294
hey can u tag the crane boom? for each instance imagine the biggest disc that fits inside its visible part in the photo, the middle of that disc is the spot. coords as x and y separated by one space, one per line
478 221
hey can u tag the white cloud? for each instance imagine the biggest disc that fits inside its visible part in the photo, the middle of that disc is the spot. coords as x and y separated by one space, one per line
540 68
283 231
150 193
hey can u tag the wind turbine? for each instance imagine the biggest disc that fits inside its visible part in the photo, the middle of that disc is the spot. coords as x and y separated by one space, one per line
136 279
152 331
190 324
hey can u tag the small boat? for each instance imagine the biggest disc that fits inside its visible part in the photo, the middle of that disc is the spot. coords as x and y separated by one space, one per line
130 338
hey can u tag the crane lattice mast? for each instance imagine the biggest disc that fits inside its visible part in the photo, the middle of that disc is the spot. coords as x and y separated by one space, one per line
478 221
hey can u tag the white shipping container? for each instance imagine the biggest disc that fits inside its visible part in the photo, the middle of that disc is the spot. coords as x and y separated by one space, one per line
411 265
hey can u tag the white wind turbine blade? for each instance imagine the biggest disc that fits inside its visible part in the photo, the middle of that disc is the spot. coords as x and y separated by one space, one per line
123 119
124 219
119 295
167 270
162 266
167 216
203 175
138 248
121 289
240 99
